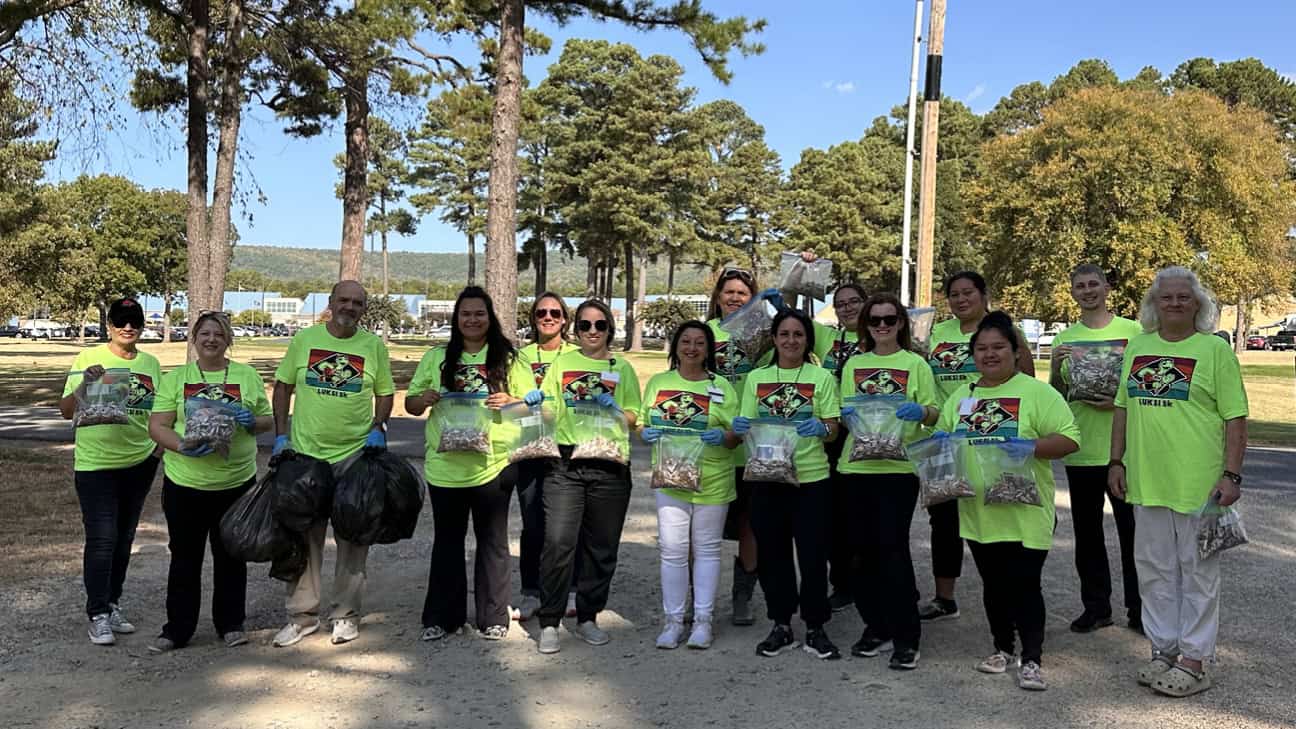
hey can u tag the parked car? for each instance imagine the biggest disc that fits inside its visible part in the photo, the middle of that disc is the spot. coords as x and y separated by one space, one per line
1284 340
9 331
31 332
1255 341
179 334
150 335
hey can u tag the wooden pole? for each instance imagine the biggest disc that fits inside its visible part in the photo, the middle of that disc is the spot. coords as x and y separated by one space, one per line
906 276
931 125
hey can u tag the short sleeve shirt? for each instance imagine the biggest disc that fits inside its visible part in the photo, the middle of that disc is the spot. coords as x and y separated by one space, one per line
795 394
1095 425
676 404
109 447
242 385
574 378
872 375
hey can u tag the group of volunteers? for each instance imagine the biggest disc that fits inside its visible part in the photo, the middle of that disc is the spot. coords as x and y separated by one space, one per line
1169 440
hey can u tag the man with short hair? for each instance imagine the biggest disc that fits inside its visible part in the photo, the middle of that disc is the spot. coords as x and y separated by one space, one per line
342 379
1098 340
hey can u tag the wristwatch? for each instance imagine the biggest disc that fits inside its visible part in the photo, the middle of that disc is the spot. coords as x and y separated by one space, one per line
1236 478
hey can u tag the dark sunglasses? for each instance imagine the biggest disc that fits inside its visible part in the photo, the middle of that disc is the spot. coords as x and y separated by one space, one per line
889 320
550 313
738 273
584 325
121 322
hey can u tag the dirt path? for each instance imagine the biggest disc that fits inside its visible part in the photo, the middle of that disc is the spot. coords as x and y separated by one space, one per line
50 676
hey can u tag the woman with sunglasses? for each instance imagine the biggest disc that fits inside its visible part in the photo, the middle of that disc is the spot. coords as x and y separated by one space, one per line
732 291
951 362
690 400
199 486
795 389
114 466
881 494
585 498
478 359
549 323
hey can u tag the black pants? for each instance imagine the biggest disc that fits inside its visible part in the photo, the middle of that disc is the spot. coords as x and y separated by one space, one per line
842 562
446 603
1088 488
786 517
530 493
1014 602
193 520
886 593
111 504
946 544
585 504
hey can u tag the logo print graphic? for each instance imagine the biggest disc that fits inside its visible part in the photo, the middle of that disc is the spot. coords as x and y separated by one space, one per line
731 359
840 352
784 399
578 386
993 416
951 357
1160 377
141 392
881 381
335 371
540 369
471 378
681 409
228 393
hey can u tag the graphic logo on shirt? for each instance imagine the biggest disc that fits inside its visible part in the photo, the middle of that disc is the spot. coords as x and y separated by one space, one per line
841 351
951 357
141 394
681 409
1165 378
997 416
540 369
471 378
731 360
579 386
335 372
227 393
785 399
881 381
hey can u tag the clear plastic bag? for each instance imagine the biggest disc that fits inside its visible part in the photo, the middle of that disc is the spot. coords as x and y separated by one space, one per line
208 422
1009 477
876 432
677 461
796 277
608 436
1221 528
749 328
939 466
1095 369
771 451
536 431
921 321
104 402
464 422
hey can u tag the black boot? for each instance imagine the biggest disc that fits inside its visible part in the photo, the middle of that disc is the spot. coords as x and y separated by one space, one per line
744 584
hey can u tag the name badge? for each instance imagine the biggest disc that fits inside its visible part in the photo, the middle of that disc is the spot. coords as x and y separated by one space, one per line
967 405
612 377
716 394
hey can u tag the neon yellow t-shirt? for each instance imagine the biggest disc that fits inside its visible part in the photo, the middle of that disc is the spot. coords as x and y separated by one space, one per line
872 375
1095 425
335 382
674 403
108 447
834 346
1022 407
1177 396
734 365
574 378
539 360
213 472
795 394
951 358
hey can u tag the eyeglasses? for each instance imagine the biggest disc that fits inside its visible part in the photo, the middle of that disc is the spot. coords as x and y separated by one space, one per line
849 302
888 320
548 313
584 325
736 273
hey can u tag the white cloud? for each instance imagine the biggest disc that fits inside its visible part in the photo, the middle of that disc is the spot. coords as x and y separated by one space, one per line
976 93
827 84
846 87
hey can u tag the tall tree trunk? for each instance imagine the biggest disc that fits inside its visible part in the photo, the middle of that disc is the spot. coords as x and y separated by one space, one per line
633 339
472 259
501 211
1240 325
166 315
229 118
670 274
591 277
542 269
355 190
386 280
641 302
196 78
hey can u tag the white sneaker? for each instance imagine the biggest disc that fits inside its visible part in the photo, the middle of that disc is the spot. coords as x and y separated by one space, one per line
701 637
1030 677
101 630
118 622
292 633
998 662
591 633
528 607
435 632
671 635
571 604
549 641
345 630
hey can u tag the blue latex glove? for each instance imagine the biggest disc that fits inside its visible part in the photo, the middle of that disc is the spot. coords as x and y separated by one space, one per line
713 437
847 411
376 439
911 411
281 445
535 397
606 400
774 297
197 451
812 428
1018 447
245 418
651 435
741 425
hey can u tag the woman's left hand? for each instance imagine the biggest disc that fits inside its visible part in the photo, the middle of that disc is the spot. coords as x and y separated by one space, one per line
606 400
198 451
245 418
1227 493
812 428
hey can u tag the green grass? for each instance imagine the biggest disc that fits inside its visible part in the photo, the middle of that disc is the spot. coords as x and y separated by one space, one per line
1267 432
1285 372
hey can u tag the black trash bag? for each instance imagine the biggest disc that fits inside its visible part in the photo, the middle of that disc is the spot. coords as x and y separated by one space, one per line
290 564
378 498
303 493
249 530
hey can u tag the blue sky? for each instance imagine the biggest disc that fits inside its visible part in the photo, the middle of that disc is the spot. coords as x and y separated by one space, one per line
829 69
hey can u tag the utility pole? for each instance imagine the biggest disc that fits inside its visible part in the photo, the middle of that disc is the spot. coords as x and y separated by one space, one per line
905 275
931 123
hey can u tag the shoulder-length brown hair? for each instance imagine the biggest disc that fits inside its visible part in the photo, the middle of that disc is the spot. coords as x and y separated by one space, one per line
567 317
729 274
904 337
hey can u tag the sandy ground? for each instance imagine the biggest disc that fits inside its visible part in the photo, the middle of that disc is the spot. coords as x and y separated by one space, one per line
50 676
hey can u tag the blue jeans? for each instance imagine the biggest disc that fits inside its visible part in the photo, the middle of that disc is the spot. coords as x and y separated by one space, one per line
111 503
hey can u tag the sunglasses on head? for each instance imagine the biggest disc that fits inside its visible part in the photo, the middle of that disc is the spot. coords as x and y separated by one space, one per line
736 273
213 313
888 320
584 325
548 313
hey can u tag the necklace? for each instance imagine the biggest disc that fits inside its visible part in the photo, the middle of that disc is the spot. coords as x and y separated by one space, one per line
224 379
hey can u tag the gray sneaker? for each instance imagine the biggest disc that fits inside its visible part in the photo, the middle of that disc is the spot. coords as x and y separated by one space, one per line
101 630
292 633
118 622
591 633
235 638
549 641
345 630
162 645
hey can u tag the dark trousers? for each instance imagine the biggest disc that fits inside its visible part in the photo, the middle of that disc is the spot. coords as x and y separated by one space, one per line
111 503
886 593
791 523
446 603
193 521
530 494
1014 602
1088 486
946 544
585 504
842 562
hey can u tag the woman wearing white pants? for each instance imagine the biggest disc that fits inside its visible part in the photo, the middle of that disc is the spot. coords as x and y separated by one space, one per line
690 401
1178 437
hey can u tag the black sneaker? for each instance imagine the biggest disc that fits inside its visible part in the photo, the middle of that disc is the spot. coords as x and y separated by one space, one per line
1089 622
779 640
939 609
904 659
869 646
818 645
840 601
